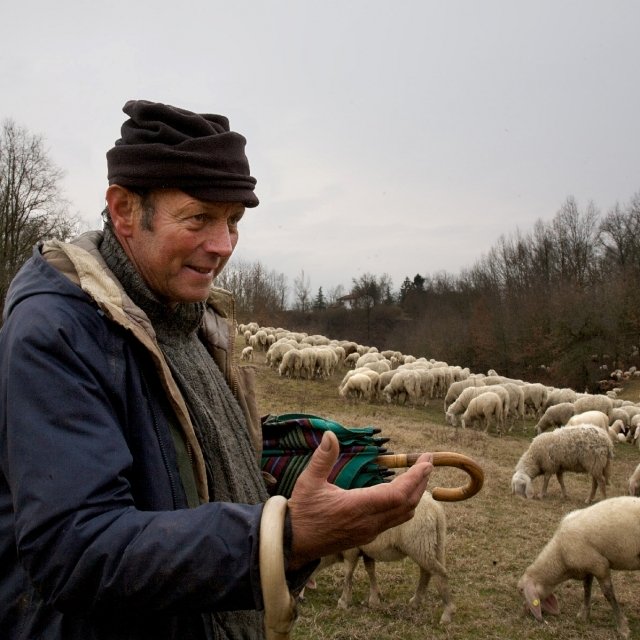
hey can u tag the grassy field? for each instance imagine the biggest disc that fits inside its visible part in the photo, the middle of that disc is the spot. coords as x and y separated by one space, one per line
491 539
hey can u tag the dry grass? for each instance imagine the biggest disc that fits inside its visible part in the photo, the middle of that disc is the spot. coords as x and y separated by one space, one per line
491 538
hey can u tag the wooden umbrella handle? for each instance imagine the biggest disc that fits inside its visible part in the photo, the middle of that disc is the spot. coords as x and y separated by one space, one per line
442 459
279 604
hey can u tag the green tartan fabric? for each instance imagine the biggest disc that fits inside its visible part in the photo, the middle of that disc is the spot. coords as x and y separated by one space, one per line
290 439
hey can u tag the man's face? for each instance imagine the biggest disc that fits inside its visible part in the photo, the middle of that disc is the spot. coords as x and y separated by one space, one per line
187 246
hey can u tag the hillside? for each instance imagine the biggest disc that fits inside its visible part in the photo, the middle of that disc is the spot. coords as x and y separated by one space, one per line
491 538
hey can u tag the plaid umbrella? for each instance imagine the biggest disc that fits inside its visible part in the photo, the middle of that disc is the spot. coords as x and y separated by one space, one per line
290 439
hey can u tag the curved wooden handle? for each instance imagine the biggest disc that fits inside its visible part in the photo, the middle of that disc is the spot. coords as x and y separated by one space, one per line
279 604
443 459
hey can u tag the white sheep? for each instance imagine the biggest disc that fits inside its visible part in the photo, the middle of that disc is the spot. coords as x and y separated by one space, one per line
290 364
555 416
423 539
456 388
358 386
460 405
403 387
580 449
587 544
535 398
485 409
556 396
598 418
247 354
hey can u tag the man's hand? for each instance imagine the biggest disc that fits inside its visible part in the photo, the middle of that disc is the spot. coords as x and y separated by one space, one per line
326 519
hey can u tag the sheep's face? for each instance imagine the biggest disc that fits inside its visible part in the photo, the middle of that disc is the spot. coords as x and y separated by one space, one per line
451 419
536 600
521 485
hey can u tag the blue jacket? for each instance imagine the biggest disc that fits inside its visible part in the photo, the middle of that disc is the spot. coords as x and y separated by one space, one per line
101 543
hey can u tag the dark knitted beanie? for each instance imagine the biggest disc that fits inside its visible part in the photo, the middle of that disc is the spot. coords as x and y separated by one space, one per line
167 147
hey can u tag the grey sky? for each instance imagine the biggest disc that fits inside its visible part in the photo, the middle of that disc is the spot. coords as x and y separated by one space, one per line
387 137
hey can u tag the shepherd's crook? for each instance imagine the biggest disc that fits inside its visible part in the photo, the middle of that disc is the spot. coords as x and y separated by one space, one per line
279 604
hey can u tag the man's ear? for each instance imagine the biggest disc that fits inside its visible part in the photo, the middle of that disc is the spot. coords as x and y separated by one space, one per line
122 205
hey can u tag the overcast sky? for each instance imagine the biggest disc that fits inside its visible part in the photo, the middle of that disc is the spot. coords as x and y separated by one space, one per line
395 137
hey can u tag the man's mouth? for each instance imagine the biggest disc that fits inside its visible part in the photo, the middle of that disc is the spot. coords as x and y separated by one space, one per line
202 270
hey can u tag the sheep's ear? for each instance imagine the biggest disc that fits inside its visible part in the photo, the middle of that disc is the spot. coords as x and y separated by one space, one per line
550 605
533 600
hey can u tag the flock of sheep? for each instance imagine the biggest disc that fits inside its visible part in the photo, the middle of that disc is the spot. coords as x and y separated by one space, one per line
576 432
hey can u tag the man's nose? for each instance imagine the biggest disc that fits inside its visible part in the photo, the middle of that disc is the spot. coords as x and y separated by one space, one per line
218 240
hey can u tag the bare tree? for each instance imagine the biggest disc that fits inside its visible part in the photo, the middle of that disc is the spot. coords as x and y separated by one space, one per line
302 292
31 204
260 293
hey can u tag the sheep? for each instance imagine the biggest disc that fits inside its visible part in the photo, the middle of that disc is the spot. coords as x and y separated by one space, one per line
368 357
358 386
379 365
555 416
423 539
404 385
456 388
290 364
591 402
374 376
634 482
580 448
247 354
535 397
598 418
351 359
484 408
459 406
586 544
276 352
618 432
556 396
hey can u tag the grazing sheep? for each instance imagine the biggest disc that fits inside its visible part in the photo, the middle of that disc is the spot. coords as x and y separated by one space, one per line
374 376
460 405
555 416
358 386
247 354
484 409
456 388
587 544
535 398
580 449
404 386
379 366
291 363
351 359
423 539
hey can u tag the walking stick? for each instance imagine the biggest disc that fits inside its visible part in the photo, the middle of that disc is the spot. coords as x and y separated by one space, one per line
279 604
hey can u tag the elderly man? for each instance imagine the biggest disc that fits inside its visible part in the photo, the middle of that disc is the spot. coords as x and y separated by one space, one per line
130 492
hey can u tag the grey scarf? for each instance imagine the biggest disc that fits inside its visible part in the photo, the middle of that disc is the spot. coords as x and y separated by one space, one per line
232 471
